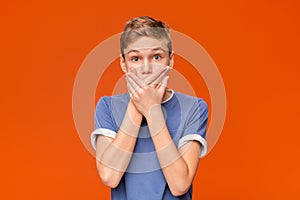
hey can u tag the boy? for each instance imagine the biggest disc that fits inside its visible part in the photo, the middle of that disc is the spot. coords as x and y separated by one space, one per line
148 141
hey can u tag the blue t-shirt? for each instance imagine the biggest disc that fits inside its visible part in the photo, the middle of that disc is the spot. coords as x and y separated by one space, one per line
186 119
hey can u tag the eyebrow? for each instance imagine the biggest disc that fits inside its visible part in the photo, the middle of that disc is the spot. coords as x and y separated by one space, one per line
154 49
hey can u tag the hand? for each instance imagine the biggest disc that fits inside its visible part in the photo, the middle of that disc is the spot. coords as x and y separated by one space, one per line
149 92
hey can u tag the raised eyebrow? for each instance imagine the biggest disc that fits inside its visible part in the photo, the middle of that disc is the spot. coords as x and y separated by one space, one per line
133 50
137 51
158 48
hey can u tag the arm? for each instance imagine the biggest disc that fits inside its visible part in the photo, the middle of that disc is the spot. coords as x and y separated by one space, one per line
113 155
179 167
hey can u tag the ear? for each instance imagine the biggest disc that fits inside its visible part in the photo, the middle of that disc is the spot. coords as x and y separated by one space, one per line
123 64
171 59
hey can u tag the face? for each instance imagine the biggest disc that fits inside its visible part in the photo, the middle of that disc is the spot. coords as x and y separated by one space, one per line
146 55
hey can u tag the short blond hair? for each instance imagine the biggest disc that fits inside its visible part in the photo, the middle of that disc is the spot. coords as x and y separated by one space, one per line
144 26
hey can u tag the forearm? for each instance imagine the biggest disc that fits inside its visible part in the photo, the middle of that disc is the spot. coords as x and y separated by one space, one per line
173 165
113 160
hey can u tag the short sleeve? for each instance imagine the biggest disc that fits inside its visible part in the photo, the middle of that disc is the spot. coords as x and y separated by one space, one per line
195 127
103 121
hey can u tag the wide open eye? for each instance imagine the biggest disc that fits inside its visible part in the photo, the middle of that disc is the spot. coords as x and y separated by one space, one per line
135 59
157 57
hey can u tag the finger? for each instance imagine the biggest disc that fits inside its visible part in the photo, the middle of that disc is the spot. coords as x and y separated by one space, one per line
164 83
130 88
132 92
135 88
155 75
160 77
137 81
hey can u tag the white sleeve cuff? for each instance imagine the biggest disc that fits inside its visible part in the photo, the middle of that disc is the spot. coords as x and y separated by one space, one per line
185 139
101 131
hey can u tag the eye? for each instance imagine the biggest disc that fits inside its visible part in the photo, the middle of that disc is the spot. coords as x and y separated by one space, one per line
135 59
157 57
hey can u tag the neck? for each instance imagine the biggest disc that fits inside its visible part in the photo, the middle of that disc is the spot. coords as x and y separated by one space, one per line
167 94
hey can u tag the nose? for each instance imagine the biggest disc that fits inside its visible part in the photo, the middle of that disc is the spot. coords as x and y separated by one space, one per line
146 68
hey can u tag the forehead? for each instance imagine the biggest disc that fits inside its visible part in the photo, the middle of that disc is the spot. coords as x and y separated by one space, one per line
144 42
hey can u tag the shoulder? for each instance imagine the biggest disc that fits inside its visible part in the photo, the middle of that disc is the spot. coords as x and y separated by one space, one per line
190 101
108 101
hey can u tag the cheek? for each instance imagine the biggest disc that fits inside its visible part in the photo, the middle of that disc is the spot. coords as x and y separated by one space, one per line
132 69
165 61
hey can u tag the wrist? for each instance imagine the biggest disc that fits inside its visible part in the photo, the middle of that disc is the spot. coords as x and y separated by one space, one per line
155 120
131 121
154 113
133 113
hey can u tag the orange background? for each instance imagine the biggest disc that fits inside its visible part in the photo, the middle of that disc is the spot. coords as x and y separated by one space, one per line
255 45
